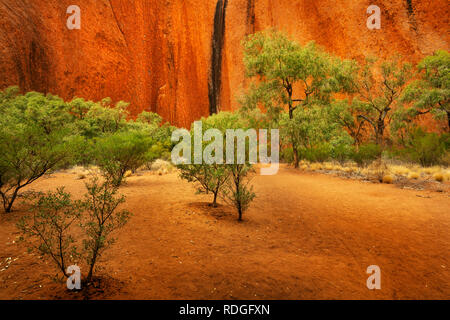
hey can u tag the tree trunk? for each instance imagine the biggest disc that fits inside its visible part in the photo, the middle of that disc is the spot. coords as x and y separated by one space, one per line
379 132
296 160
214 204
294 146
91 268
448 120
8 204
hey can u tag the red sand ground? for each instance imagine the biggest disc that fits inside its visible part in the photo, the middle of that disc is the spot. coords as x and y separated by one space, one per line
306 236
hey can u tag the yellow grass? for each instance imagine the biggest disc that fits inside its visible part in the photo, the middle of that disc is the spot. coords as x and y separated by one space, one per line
316 166
388 179
438 176
128 174
413 175
399 170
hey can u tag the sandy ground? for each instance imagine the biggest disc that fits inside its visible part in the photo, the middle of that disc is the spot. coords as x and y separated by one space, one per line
306 236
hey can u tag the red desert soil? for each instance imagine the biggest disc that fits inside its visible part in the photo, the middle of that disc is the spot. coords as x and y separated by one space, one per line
307 236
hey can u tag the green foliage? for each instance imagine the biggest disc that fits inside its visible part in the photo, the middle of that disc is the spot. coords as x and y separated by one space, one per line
36 135
425 148
210 177
52 229
377 95
317 134
431 92
101 205
53 216
366 154
151 125
290 76
287 155
117 153
237 190
96 119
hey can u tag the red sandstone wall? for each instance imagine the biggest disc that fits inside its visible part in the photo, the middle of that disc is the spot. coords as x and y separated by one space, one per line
157 53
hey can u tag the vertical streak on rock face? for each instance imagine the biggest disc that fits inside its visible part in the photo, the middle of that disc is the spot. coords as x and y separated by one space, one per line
410 7
216 57
251 16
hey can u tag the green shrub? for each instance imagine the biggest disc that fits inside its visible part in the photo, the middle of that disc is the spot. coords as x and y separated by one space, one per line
102 218
53 216
36 132
210 177
122 151
237 190
318 153
287 155
342 153
366 154
425 148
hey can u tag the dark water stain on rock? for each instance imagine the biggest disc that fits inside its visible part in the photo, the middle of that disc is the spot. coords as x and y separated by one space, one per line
214 84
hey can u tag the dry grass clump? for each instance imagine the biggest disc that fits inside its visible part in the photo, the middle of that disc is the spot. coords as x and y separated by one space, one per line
128 174
387 179
439 176
413 175
80 172
316 166
383 171
399 170
304 162
349 169
431 170
377 170
447 175
161 167
162 171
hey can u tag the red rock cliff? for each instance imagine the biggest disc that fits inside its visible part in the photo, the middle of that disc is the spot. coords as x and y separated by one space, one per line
183 58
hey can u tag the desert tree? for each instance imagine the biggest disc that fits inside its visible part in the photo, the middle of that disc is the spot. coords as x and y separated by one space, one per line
36 132
59 224
117 153
238 191
49 229
95 119
345 114
317 133
289 76
378 88
430 93
211 176
102 217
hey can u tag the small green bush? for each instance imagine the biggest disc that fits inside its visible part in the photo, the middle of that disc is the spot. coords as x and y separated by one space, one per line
237 190
101 203
425 148
53 228
122 151
366 154
53 216
319 153
36 132
287 155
